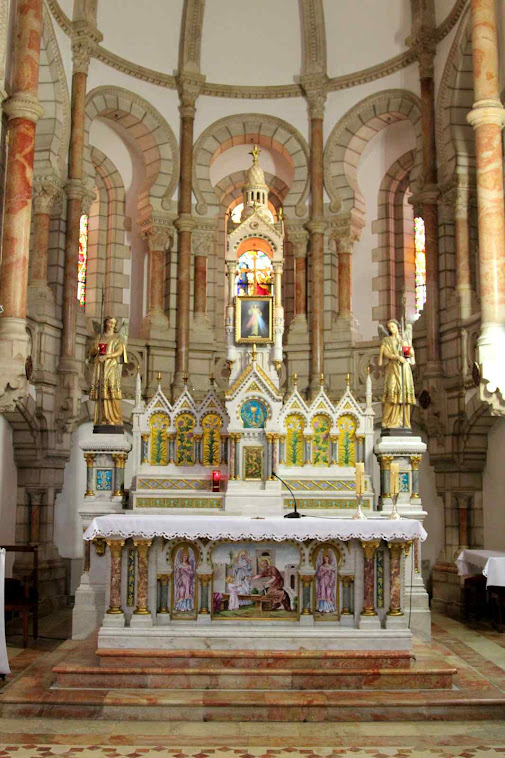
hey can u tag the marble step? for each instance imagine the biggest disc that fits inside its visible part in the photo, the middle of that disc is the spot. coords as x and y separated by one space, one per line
253 659
423 677
266 706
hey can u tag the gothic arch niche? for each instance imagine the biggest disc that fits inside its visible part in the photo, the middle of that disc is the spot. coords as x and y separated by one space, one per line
271 132
350 136
395 250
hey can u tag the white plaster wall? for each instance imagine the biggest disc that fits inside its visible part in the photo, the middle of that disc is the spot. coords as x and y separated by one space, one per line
148 33
238 158
365 33
67 525
8 490
103 136
261 41
493 488
379 154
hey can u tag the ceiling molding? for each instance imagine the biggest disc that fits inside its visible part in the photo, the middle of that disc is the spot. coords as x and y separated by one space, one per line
313 37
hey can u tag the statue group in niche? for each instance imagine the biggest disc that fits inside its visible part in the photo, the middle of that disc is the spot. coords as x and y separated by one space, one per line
107 354
399 395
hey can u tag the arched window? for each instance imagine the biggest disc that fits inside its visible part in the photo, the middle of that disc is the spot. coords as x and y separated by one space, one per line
420 263
83 260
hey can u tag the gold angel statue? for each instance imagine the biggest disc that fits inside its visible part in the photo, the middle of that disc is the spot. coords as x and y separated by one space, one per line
399 395
108 353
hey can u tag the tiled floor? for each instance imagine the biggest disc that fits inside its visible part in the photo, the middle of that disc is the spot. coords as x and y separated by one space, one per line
478 651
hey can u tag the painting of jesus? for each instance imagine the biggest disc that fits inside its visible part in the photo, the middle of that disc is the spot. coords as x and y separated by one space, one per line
254 319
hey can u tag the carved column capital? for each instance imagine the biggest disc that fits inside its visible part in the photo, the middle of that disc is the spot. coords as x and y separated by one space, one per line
369 548
189 87
85 39
115 546
46 191
315 91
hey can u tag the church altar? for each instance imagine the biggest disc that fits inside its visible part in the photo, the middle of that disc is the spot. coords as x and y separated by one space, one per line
197 553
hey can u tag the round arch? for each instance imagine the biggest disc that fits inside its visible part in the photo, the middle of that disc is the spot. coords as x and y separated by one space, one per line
350 136
269 131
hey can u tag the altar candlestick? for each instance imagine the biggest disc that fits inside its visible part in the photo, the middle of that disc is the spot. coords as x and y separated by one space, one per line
395 476
360 477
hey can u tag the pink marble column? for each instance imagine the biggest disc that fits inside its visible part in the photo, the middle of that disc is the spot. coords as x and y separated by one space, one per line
142 576
301 286
158 238
200 298
116 553
369 548
23 111
462 231
488 119
188 93
45 193
395 585
344 284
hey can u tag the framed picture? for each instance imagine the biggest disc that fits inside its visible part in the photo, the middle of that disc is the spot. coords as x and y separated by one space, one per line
253 464
253 319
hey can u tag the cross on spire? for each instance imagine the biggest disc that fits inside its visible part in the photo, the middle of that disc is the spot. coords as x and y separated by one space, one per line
255 152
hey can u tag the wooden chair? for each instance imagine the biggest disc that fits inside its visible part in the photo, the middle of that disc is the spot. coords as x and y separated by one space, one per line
23 595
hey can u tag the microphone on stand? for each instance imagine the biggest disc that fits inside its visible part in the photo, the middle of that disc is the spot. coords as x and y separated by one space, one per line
293 514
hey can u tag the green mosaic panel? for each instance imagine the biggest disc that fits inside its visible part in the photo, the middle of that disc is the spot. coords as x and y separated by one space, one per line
379 573
325 485
174 484
178 502
315 502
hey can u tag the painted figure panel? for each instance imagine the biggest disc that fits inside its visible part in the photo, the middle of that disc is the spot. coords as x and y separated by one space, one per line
294 440
159 423
253 414
184 440
184 583
255 580
211 440
253 463
325 600
254 319
321 441
347 441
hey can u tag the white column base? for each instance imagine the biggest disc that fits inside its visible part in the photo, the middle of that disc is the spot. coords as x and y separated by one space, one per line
369 622
113 621
141 621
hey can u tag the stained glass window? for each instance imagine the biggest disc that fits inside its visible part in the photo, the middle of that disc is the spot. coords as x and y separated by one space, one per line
420 263
83 260
254 274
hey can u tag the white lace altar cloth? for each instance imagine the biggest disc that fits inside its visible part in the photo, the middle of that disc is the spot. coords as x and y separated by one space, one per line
240 528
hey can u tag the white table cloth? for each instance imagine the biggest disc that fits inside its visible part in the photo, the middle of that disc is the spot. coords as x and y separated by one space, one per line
490 562
4 661
239 528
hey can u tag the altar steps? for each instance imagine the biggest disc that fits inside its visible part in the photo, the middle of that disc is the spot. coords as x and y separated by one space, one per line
71 683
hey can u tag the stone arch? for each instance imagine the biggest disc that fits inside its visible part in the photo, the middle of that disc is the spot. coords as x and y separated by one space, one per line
53 131
350 136
394 252
115 251
455 138
269 131
142 126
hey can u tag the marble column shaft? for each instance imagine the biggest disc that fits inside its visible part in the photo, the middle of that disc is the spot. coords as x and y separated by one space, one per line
156 292
306 580
23 111
200 298
44 196
317 226
488 118
116 552
300 286
369 548
395 585
462 233
344 283
142 576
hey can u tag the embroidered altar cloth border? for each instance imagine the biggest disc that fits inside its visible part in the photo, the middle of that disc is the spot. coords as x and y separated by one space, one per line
240 528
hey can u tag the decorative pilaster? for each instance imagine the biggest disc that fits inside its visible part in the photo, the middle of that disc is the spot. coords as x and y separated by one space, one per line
360 448
205 580
488 118
158 233
369 548
35 498
144 448
116 553
415 462
163 580
47 190
385 462
347 581
90 461
462 231
395 583
119 467
298 238
142 576
306 580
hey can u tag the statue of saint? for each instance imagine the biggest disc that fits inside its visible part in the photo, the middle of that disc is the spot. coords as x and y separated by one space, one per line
108 353
399 393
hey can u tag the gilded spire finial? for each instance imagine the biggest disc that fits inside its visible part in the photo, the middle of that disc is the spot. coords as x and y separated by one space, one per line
255 152
321 380
212 379
158 376
253 354
369 369
185 378
347 380
295 379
